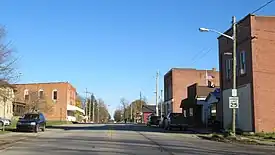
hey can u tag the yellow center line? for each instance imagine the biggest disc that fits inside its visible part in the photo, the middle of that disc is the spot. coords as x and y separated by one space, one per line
110 132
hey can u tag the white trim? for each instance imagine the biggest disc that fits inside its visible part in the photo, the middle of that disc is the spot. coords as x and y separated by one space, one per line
242 62
74 108
55 90
26 92
201 98
40 90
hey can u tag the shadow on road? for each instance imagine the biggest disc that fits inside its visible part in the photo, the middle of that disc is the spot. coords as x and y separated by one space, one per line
121 127
79 145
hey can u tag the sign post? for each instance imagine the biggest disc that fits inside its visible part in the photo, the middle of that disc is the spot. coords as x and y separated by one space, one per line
234 102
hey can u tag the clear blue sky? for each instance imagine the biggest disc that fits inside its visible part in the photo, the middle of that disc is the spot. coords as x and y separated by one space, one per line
114 47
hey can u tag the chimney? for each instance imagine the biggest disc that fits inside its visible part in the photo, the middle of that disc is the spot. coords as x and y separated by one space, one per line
213 69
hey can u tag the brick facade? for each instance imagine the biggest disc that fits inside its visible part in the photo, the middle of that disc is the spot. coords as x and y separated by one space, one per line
177 80
66 94
255 37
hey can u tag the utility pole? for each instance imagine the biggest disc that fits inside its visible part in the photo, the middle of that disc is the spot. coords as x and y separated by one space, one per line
5 100
161 101
93 108
86 104
140 107
157 107
131 111
98 112
234 73
91 101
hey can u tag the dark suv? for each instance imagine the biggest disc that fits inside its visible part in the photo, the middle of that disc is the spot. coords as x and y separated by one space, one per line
31 122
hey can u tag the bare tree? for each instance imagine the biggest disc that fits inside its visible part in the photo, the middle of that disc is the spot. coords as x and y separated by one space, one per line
38 102
124 104
8 71
103 111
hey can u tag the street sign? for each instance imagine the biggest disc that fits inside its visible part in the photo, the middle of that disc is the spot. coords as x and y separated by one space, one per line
234 92
233 102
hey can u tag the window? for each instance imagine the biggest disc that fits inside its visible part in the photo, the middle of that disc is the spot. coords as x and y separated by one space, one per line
228 68
26 95
242 62
41 94
54 95
169 91
184 113
191 111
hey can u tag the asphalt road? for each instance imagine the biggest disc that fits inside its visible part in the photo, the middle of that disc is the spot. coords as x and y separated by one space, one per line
124 139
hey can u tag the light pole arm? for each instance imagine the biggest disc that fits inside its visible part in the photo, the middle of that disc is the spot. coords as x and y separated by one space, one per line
225 35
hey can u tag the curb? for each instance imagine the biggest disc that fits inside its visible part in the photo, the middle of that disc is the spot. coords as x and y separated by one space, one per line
243 141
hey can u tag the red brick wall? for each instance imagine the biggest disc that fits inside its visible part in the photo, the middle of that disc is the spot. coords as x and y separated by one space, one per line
182 78
256 36
59 110
145 116
263 46
226 46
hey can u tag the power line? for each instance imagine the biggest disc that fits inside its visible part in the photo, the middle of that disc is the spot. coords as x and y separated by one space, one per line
197 54
263 6
203 55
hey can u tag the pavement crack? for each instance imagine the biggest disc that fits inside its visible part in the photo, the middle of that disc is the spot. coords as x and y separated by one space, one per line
160 147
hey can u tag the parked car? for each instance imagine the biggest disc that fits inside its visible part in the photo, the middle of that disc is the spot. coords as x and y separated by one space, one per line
31 122
153 120
175 120
5 121
161 122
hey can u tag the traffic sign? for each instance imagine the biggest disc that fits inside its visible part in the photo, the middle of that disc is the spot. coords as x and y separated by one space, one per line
233 102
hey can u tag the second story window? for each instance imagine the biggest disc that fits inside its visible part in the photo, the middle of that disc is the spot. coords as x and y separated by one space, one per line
26 95
242 62
228 68
41 94
54 96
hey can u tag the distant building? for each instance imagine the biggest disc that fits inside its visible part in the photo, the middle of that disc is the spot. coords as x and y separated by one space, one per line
60 98
195 108
147 110
176 82
255 74
6 100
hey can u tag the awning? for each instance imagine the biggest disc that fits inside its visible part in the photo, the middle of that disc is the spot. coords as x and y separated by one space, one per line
75 108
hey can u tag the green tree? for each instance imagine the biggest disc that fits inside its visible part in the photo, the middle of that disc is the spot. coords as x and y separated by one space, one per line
101 113
78 103
117 115
136 106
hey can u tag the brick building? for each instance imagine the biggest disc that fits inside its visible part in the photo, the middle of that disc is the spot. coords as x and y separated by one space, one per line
255 74
176 82
61 95
195 109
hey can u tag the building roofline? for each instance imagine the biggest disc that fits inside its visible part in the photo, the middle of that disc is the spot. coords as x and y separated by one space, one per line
40 83
190 69
241 20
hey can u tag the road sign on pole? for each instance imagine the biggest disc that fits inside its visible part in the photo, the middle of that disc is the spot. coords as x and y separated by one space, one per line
233 102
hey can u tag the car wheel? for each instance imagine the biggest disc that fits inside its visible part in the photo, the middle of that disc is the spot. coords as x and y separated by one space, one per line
1 124
36 129
44 128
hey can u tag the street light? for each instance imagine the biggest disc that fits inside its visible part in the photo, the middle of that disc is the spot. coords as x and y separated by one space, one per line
234 90
202 29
